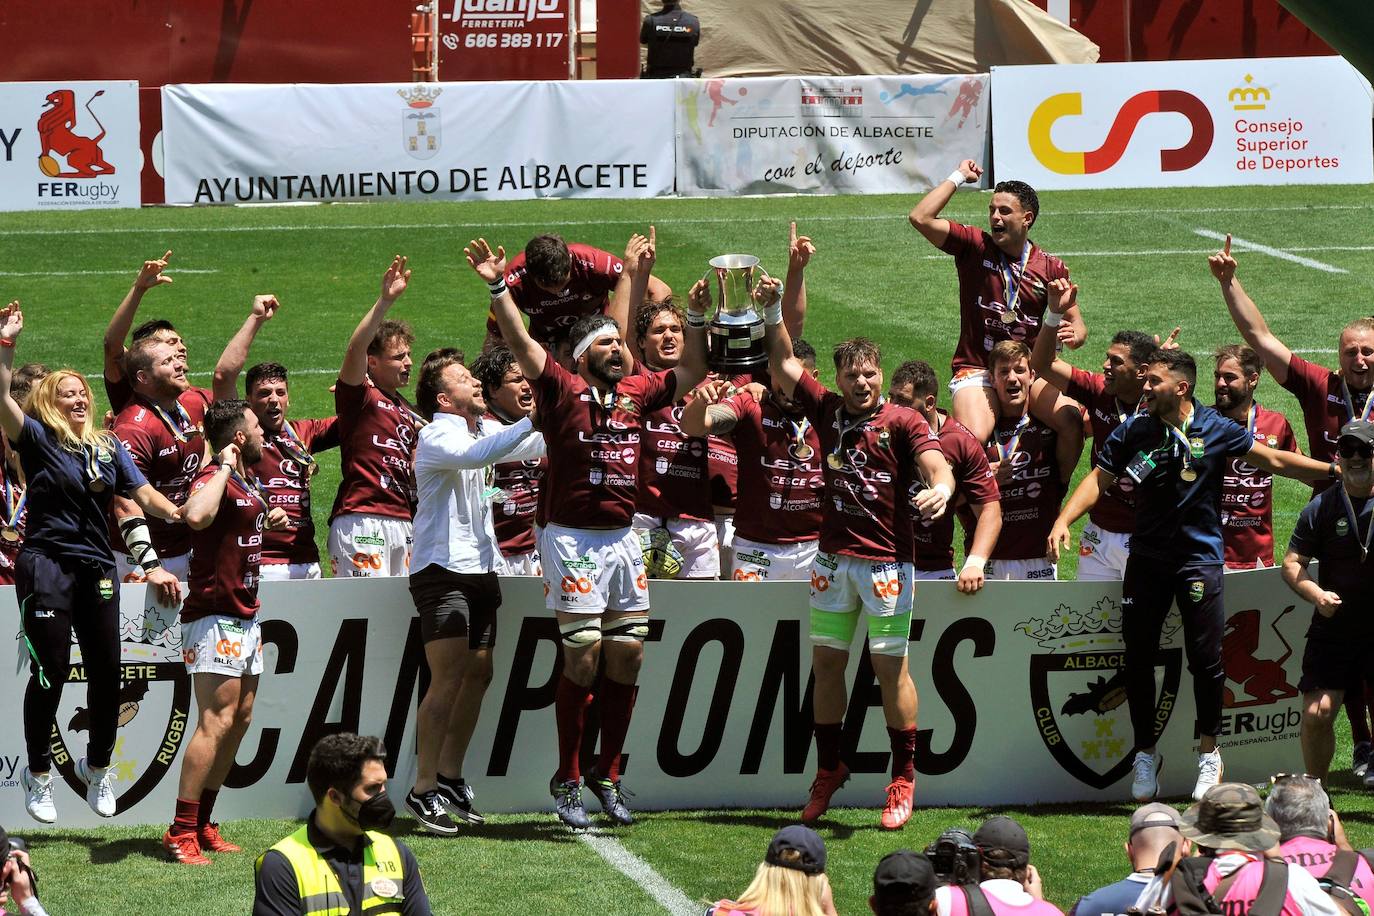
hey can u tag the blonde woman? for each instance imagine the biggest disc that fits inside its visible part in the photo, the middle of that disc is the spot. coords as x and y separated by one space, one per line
65 573
790 881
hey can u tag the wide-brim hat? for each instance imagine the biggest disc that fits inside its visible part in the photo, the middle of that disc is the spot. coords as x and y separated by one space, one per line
1230 816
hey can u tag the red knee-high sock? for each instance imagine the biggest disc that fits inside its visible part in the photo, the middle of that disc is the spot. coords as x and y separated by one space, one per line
828 745
617 705
187 817
903 752
570 709
207 806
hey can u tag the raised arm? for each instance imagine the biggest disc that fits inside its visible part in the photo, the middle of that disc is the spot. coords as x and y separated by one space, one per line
11 325
491 267
783 365
236 350
149 276
640 255
1290 464
394 282
457 451
1089 491
799 252
925 216
1247 317
203 505
1062 295
691 369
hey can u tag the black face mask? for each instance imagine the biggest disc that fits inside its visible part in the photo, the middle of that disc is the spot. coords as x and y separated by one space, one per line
376 813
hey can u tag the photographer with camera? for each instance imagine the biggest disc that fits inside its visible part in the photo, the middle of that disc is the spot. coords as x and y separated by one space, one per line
17 882
1153 828
1000 881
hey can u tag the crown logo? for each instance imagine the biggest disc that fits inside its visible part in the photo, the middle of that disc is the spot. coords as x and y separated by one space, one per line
1096 629
419 96
1248 97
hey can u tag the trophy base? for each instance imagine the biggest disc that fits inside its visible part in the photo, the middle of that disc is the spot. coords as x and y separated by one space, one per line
734 349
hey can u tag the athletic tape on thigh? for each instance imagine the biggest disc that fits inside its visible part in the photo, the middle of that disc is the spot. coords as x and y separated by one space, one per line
630 628
582 632
834 629
889 635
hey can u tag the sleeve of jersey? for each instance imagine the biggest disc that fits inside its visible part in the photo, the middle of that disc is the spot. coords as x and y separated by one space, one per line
1236 439
128 476
659 389
1304 376
136 441
743 406
1287 441
1084 386
1304 540
810 396
551 386
1113 457
30 436
610 270
976 480
348 399
319 435
961 239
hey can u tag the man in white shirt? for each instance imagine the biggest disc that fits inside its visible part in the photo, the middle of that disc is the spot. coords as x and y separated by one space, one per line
453 580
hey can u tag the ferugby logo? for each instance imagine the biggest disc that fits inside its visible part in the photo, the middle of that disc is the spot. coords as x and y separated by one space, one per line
1078 689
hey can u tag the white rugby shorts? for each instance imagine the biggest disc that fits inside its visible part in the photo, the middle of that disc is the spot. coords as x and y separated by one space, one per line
842 584
759 562
935 575
129 571
1036 569
1102 554
694 539
587 571
220 644
520 564
970 378
369 546
282 572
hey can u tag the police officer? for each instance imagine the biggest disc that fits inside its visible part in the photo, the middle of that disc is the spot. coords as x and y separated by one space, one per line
671 37
1335 530
341 862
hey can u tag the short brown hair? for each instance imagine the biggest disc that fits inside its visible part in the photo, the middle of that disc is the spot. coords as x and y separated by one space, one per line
387 332
1359 324
649 312
1249 360
919 375
431 376
856 351
140 356
1008 351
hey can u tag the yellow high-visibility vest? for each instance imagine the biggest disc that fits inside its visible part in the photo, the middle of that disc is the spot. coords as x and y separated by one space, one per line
321 895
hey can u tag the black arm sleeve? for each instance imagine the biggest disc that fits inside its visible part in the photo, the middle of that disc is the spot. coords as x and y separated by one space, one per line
646 29
276 892
416 901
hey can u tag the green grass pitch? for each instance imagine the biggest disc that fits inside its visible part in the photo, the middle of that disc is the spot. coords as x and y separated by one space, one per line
1136 255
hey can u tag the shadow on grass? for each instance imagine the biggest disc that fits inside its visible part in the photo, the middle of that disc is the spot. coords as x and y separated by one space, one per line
501 831
110 850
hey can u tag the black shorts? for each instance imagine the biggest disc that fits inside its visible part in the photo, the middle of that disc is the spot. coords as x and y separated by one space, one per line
456 605
1334 663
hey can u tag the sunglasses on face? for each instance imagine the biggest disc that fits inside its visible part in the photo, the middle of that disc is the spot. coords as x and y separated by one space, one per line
1355 449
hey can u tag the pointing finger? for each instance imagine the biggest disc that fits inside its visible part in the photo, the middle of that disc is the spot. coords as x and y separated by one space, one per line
653 237
1227 250
792 235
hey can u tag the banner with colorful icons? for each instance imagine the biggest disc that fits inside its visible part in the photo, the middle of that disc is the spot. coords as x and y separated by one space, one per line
1300 120
831 135
69 145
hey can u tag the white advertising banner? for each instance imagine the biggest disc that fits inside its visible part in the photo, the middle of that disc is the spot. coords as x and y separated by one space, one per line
1297 120
830 135
69 145
1024 671
433 141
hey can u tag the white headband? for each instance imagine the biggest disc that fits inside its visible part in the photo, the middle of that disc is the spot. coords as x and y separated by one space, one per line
607 326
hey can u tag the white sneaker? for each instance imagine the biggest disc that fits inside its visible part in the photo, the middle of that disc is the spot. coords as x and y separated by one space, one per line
38 798
1145 785
1209 772
99 787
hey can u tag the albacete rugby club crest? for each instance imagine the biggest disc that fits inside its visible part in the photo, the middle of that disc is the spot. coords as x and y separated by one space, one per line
154 705
421 132
1078 689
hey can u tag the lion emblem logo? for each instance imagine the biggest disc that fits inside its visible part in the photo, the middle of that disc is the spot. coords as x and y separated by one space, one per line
83 156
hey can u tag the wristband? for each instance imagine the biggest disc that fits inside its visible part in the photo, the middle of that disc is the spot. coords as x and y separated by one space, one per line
975 561
497 287
773 314
957 176
696 319
1052 319
943 490
139 541
1331 470
5 342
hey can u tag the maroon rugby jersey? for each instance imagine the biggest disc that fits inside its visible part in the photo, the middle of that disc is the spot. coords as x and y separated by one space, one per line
224 565
724 465
168 449
867 509
1324 408
674 468
781 488
1115 509
1031 497
594 275
120 393
593 440
1247 495
284 476
513 517
982 268
376 451
933 541
11 493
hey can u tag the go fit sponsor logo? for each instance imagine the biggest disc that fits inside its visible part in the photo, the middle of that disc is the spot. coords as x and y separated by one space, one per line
1091 162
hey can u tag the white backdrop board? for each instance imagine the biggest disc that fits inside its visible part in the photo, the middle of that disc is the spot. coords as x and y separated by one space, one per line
1298 120
445 141
1024 671
69 145
829 135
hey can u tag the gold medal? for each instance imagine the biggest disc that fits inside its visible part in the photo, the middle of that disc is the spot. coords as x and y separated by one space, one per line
10 535
1188 474
1008 316
97 485
803 451
835 461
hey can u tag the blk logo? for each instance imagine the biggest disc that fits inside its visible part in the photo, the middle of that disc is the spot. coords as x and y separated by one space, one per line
1091 162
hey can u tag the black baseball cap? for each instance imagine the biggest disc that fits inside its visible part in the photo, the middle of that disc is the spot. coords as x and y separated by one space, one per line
799 848
904 875
1001 832
1361 431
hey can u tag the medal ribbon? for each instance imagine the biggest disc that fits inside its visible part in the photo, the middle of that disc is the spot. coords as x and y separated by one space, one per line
14 508
1004 452
1350 402
1122 415
1012 280
1250 420
845 429
92 466
253 489
1355 526
1181 434
181 428
799 430
294 446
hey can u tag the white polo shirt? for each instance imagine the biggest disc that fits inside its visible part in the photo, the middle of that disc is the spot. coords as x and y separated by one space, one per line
453 513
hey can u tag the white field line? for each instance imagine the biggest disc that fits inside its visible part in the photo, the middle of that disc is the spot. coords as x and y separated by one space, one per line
662 221
641 873
1273 252
89 273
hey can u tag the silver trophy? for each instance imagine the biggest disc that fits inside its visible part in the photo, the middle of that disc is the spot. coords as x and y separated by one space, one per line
735 338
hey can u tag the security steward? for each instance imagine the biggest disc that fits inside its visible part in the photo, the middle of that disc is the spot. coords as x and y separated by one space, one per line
671 37
341 863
